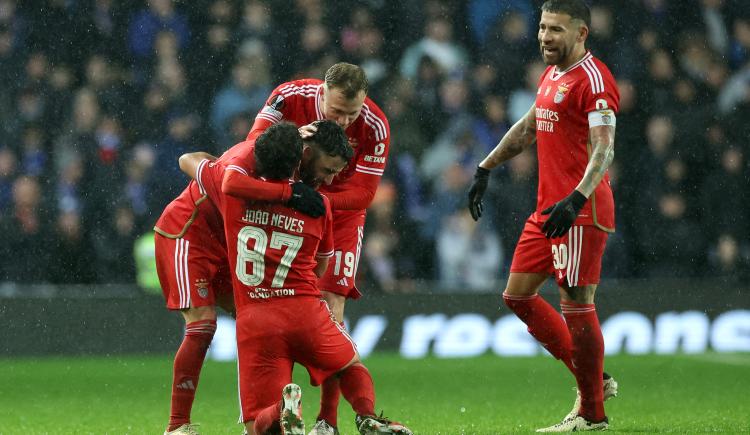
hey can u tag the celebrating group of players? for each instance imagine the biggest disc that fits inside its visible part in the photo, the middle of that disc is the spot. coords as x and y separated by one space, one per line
251 221
272 232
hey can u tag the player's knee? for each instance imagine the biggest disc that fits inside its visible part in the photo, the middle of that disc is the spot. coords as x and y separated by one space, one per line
579 294
195 314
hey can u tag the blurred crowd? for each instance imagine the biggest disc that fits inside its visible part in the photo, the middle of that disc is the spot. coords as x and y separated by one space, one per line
100 97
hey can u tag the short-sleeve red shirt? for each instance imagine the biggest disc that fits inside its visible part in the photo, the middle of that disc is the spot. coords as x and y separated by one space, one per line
369 135
272 248
564 100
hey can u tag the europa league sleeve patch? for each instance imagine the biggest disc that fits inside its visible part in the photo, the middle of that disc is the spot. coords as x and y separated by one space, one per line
276 102
273 107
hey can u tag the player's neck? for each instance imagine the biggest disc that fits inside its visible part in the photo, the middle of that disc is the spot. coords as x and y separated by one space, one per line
579 51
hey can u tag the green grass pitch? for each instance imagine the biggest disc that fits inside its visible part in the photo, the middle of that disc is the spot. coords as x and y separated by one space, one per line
486 395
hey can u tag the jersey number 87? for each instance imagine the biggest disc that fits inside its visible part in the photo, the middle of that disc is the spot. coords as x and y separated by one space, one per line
256 256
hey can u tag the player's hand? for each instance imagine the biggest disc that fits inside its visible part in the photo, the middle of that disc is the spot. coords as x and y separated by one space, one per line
481 180
307 131
307 200
563 214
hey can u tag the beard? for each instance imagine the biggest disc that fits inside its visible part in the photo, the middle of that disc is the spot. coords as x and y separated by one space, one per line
556 57
307 175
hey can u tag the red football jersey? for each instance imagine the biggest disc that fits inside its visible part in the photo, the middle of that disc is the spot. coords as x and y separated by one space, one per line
564 100
369 135
272 248
189 209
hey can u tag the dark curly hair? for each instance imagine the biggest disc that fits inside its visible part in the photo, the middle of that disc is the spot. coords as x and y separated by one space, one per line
278 151
331 140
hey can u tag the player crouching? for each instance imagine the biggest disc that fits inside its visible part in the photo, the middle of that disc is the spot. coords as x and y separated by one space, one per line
281 318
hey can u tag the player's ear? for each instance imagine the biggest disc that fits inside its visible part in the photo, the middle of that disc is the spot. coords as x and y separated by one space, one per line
307 152
583 33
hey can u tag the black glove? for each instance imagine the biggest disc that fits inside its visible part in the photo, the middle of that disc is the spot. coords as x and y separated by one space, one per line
481 179
563 214
307 200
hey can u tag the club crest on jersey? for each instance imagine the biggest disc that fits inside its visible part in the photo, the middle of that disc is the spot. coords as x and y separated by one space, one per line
562 90
353 143
201 285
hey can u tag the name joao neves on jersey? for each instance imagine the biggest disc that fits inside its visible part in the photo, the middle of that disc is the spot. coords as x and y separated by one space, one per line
275 219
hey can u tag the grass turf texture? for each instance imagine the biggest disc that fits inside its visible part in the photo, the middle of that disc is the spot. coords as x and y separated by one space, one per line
485 395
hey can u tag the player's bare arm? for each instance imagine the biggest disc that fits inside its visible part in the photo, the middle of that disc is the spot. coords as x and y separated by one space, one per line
517 139
189 161
602 139
563 213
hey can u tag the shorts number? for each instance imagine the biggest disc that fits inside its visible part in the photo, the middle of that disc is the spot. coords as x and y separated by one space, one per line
560 256
256 256
348 264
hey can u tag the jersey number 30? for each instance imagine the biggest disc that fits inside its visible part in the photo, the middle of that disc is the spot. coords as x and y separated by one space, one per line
257 258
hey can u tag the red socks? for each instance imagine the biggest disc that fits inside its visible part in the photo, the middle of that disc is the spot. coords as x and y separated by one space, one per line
588 356
545 324
329 398
187 368
357 389
330 391
268 419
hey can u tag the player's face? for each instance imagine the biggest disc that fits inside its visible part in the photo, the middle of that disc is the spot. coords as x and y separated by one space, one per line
319 168
558 35
343 111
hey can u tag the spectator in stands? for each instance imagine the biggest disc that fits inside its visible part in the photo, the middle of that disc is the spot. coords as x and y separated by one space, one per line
521 98
729 259
468 257
24 253
147 23
439 45
8 168
679 249
512 200
72 262
739 45
511 49
246 93
722 213
113 243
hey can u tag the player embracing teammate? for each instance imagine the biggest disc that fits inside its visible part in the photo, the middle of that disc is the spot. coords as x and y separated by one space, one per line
340 97
191 250
573 123
275 256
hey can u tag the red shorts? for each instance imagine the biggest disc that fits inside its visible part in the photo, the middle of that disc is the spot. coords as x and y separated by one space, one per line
192 271
348 229
575 259
273 335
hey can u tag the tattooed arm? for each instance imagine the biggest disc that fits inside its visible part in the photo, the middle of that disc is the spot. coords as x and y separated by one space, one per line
603 143
517 139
